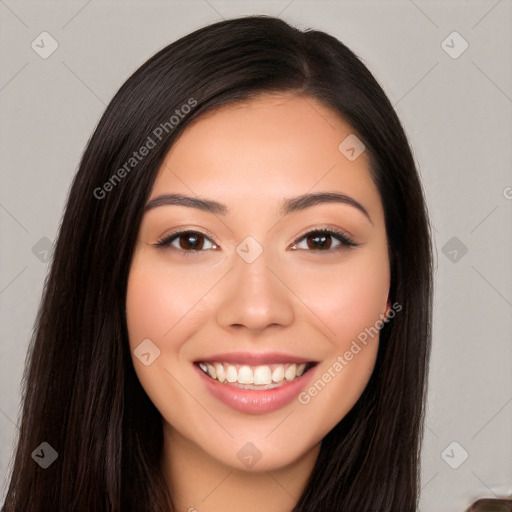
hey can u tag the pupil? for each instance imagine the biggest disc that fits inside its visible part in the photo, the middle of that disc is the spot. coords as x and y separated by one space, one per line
191 242
320 241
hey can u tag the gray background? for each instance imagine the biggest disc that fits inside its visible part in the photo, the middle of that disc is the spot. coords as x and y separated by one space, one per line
457 114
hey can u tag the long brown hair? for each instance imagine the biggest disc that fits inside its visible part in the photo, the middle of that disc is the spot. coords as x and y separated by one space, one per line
80 391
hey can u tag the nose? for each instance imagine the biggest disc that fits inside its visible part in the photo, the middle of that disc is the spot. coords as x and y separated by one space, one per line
255 296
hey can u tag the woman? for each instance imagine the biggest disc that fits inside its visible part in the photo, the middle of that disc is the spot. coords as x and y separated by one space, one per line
238 313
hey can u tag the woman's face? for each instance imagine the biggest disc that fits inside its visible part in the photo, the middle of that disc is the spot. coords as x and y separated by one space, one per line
253 290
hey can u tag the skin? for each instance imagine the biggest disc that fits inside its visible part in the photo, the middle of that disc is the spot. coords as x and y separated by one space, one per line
313 304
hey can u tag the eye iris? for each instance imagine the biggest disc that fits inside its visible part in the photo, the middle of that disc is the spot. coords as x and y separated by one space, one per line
191 241
319 241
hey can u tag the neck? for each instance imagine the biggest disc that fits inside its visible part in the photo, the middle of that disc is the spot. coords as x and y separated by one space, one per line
199 482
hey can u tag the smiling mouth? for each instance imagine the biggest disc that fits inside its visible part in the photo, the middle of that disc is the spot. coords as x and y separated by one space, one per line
254 377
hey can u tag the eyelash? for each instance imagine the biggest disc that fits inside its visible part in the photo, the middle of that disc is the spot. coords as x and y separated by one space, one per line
345 241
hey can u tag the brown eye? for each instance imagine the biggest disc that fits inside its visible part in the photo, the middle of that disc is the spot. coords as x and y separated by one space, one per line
187 241
321 240
191 241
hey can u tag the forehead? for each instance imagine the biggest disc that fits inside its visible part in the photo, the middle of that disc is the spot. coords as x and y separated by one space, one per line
264 149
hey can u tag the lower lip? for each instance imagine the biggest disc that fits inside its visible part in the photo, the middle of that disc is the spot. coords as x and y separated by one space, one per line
253 401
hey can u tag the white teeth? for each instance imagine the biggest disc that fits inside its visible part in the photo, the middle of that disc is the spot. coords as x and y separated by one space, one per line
290 372
221 374
278 374
262 375
211 371
247 376
231 374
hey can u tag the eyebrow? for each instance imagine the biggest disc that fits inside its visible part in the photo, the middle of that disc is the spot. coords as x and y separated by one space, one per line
289 205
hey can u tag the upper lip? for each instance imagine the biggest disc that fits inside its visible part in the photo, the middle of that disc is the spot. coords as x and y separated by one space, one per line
255 358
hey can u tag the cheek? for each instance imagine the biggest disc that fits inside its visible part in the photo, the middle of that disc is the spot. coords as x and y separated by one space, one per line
347 298
164 307
349 301
158 301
